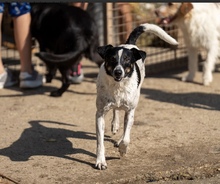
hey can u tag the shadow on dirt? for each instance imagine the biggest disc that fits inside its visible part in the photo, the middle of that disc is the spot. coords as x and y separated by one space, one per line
47 141
208 101
43 90
46 89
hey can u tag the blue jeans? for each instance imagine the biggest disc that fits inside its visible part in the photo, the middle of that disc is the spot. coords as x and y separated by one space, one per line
16 9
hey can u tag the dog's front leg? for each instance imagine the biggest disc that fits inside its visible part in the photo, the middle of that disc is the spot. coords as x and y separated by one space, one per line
209 65
192 64
100 152
128 122
65 83
115 121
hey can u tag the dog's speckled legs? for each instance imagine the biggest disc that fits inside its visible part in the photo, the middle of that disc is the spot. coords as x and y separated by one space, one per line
128 122
115 122
100 127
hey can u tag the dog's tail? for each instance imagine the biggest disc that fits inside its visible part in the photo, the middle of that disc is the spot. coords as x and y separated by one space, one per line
151 28
56 58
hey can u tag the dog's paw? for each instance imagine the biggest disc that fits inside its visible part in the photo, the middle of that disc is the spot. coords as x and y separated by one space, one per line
122 149
206 83
207 79
187 78
101 165
55 94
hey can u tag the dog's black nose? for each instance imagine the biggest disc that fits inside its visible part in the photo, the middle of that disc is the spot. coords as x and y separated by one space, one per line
117 73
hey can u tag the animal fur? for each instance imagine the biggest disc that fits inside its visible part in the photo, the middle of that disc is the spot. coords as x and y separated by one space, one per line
65 34
200 25
118 86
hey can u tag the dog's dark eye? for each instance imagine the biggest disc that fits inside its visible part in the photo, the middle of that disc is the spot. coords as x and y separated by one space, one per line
110 59
126 59
113 60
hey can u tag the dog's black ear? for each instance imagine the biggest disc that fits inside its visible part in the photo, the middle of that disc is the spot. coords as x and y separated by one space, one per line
102 50
139 54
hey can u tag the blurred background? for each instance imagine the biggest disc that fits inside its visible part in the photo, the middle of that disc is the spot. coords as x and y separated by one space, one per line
115 22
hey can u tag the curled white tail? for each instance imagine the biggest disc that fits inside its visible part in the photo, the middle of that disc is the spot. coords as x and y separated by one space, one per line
158 31
151 28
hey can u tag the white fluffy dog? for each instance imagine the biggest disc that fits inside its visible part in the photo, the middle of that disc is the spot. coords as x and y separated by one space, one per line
118 86
200 24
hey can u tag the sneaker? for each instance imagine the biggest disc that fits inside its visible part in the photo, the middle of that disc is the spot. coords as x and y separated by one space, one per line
76 75
7 79
33 80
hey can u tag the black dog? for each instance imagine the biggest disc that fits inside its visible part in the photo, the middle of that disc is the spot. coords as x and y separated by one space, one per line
65 34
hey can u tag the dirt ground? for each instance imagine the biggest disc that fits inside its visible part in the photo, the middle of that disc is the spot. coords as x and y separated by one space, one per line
175 137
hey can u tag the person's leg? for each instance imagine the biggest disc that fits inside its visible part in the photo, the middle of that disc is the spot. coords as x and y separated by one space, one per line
125 12
6 78
23 40
20 12
3 74
76 75
2 70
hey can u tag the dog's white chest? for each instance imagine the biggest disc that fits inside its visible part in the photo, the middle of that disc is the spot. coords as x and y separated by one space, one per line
120 95
123 94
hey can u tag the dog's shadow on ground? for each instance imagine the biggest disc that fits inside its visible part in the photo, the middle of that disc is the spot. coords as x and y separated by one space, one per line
48 141
208 101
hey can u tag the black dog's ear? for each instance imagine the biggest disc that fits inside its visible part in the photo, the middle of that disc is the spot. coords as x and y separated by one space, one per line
102 50
139 54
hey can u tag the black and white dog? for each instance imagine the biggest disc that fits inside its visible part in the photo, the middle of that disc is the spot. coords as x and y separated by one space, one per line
65 34
118 86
